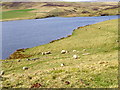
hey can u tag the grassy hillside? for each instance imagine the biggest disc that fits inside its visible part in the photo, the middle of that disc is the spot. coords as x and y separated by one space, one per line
97 65
35 10
17 14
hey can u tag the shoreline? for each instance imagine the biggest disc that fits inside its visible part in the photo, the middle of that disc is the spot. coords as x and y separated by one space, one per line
22 49
50 17
27 56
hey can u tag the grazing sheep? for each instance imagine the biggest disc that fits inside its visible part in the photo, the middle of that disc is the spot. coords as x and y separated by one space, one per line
48 52
75 56
25 68
63 51
62 64
2 73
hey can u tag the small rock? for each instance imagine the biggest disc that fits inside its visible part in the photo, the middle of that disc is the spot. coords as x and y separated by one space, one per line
34 58
28 59
29 77
25 68
86 54
39 53
63 51
2 73
13 74
37 58
74 50
117 40
84 50
67 82
102 62
43 53
75 56
99 27
1 78
6 61
53 68
37 85
19 60
62 64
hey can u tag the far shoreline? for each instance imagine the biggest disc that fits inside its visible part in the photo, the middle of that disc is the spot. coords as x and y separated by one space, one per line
50 17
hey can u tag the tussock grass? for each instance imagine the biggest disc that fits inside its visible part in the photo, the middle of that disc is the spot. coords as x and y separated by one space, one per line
99 69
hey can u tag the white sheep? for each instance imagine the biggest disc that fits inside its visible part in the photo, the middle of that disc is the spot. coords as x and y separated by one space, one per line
75 56
63 51
48 52
62 64
25 68
2 73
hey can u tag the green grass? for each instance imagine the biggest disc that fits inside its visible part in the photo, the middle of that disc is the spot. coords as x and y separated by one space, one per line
97 70
13 14
22 10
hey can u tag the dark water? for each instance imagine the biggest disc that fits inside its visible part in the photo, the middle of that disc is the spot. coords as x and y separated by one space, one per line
29 33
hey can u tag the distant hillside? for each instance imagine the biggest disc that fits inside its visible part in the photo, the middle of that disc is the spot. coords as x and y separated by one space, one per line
12 10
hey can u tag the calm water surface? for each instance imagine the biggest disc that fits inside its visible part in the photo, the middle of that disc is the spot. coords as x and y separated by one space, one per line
29 33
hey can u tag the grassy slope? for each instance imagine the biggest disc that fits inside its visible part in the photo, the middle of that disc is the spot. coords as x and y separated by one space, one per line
52 9
16 14
97 70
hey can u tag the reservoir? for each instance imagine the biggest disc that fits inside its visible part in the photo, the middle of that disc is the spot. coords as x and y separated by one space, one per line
30 33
